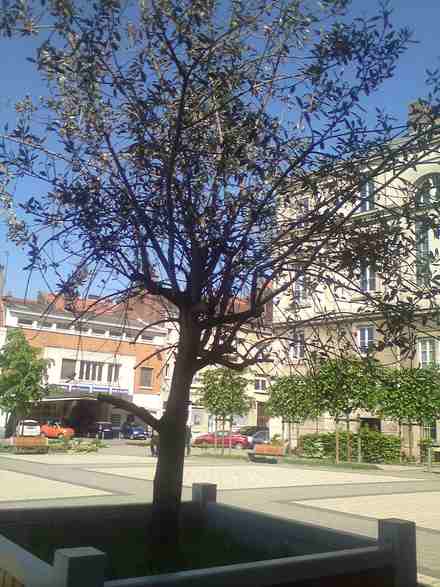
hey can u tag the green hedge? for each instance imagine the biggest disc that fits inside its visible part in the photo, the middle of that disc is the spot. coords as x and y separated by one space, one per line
376 447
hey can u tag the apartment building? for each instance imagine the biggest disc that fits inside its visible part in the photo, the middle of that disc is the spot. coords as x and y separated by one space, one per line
93 347
341 314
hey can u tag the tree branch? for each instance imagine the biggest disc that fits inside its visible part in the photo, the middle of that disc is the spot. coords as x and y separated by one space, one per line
130 407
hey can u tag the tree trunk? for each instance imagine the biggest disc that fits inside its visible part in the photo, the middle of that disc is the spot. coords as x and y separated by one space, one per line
230 437
337 441
289 444
348 440
223 436
359 441
168 480
410 440
401 443
215 434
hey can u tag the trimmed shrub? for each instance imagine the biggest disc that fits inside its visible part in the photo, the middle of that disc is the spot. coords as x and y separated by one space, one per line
375 446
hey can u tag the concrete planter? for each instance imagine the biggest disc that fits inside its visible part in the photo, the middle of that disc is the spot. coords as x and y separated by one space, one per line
330 558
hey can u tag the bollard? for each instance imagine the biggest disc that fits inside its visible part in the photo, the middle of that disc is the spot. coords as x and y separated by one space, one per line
401 535
204 493
83 566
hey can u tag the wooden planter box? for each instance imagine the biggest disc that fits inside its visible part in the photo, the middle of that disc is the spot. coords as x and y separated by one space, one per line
31 444
335 559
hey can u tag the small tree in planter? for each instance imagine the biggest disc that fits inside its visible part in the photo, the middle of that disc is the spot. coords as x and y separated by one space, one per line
223 394
163 155
292 399
22 375
412 397
344 385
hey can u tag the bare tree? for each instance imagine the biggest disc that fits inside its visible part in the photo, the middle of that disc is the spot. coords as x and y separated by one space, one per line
178 143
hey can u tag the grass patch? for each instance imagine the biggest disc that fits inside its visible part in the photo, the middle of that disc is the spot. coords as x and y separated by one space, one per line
292 460
242 456
138 442
328 463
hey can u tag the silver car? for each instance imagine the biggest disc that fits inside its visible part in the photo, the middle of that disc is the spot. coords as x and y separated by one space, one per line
28 428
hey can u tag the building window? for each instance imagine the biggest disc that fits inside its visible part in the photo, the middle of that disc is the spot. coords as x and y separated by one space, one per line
428 190
99 331
304 207
427 354
146 377
68 369
83 328
115 333
367 197
260 384
113 373
25 321
45 325
297 346
90 371
147 336
423 268
366 338
371 424
62 326
300 294
368 279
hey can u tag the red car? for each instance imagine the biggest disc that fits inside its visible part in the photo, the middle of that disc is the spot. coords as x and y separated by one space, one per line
236 440
55 430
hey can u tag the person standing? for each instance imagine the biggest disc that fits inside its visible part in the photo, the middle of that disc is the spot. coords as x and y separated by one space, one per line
154 444
188 437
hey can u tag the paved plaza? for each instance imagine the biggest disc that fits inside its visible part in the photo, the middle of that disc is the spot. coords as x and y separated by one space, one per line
254 477
350 500
421 508
30 487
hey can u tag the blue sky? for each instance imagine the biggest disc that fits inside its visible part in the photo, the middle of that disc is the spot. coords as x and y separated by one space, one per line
18 78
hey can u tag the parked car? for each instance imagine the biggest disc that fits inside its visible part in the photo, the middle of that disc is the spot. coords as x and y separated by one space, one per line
134 432
236 440
251 430
28 428
54 429
260 437
100 430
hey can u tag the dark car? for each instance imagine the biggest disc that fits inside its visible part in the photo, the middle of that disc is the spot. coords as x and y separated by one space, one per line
251 430
260 437
134 432
100 430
